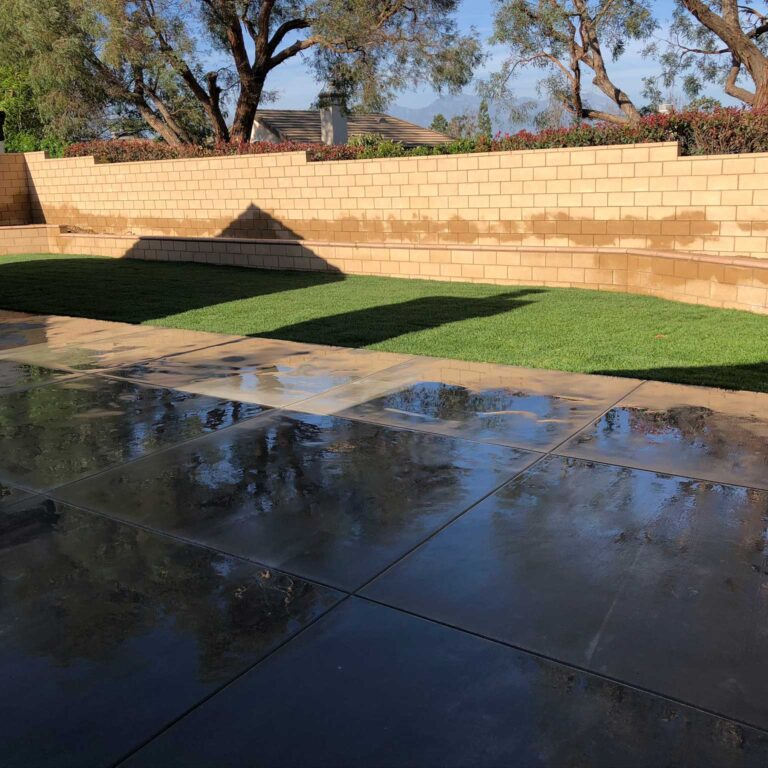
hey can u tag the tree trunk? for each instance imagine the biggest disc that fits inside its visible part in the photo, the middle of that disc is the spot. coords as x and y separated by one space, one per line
158 125
245 111
760 99
743 48
592 56
173 125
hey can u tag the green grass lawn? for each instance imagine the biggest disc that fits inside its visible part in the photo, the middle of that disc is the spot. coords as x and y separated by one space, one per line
567 329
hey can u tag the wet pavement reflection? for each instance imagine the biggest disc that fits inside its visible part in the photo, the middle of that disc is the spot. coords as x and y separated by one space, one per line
10 495
706 433
511 606
57 433
381 688
110 632
273 373
492 403
617 570
15 375
326 498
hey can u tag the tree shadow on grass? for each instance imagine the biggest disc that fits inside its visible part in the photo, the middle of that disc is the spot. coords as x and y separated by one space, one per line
133 291
372 325
748 376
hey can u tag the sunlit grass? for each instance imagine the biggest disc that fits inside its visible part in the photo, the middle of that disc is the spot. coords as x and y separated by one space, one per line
567 329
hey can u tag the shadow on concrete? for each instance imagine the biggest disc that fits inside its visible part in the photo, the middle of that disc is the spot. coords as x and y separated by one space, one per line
749 376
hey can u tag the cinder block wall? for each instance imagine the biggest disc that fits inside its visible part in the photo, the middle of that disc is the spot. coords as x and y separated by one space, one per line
41 238
639 197
14 193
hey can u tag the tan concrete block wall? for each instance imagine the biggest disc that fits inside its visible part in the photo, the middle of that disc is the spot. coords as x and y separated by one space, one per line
639 197
708 280
28 239
14 194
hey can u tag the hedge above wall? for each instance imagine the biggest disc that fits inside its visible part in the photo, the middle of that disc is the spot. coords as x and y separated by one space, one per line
722 132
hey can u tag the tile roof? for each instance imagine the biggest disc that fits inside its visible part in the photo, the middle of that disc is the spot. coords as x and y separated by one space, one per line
304 126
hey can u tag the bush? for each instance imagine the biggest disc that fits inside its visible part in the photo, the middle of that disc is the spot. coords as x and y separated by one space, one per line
134 150
722 131
24 141
719 132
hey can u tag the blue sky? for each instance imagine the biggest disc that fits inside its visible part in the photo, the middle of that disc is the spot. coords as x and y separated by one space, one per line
297 88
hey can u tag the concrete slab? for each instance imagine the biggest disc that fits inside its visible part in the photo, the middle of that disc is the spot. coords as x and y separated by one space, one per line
574 567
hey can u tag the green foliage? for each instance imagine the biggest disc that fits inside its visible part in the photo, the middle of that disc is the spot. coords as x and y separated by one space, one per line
375 145
463 126
128 67
49 62
703 104
439 123
723 131
553 38
484 125
694 55
25 129
375 48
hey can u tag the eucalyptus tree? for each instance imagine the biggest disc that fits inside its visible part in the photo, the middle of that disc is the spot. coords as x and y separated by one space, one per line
724 42
566 39
182 63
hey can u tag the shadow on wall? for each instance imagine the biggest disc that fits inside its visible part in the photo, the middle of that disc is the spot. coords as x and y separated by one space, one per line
213 251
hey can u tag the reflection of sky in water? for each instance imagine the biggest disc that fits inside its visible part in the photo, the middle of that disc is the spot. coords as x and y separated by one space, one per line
492 408
697 427
306 378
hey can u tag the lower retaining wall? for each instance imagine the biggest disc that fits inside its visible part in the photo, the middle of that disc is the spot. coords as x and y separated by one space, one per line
36 238
736 283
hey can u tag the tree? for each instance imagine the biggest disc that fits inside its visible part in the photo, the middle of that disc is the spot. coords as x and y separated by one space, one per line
484 125
720 41
439 123
96 68
561 37
23 125
463 126
154 57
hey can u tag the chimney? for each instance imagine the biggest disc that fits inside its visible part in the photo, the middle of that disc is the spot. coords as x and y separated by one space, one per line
333 116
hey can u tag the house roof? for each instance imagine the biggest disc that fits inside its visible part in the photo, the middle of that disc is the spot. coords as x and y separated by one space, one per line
304 126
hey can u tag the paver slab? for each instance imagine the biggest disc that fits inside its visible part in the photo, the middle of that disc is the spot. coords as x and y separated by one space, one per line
493 403
648 578
109 633
60 432
707 433
369 686
327 498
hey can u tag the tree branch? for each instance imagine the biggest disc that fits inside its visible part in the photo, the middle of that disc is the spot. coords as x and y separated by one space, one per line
732 89
292 50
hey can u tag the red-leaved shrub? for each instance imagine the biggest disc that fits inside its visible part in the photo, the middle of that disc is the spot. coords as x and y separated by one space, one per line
724 131
133 150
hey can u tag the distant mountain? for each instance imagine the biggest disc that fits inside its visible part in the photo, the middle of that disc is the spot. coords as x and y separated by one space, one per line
450 106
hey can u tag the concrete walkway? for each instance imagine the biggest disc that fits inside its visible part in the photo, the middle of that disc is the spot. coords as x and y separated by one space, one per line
218 551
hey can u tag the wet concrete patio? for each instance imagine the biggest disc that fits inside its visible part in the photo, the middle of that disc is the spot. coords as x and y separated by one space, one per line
217 551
